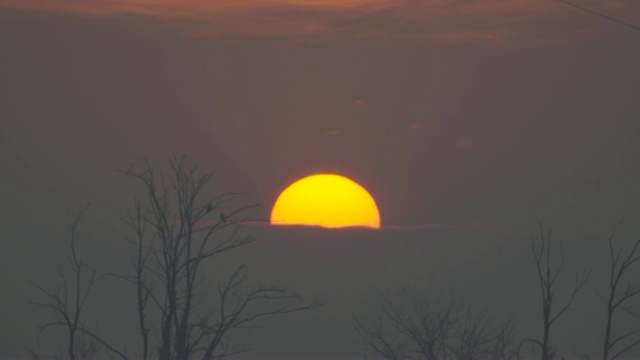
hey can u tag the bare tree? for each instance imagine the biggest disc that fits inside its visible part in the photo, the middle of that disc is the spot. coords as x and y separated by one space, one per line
67 302
477 339
421 330
144 287
176 243
618 298
381 339
548 276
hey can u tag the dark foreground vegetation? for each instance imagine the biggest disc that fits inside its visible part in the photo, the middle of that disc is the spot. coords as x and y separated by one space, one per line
177 231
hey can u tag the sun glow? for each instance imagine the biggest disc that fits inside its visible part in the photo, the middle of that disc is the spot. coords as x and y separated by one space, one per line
326 200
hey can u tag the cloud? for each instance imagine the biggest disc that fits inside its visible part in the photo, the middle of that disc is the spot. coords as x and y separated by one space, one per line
441 227
469 36
312 21
390 227
359 102
335 133
465 143
417 126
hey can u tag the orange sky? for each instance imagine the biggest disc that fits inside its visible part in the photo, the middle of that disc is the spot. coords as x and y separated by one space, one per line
316 20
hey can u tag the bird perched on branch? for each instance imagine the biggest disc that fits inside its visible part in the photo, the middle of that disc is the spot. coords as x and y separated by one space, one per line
222 218
209 208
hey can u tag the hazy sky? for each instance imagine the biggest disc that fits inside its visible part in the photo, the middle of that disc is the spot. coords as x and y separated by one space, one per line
478 114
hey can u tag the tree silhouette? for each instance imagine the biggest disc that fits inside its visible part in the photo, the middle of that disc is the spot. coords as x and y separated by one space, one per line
548 276
423 330
175 244
67 302
618 298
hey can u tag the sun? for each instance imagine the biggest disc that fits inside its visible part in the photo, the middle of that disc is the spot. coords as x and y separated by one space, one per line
326 200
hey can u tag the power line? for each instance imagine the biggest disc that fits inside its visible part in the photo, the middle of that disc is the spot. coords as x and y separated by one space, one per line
634 27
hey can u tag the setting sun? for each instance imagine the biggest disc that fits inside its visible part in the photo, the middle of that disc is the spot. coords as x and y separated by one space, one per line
326 200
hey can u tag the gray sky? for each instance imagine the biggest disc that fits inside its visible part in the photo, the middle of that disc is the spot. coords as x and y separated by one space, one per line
477 114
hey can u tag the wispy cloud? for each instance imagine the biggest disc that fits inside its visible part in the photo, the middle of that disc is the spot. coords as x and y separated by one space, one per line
417 126
310 21
465 143
335 132
469 36
389 227
442 227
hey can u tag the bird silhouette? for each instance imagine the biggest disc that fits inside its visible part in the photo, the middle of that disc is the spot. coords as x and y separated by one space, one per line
209 208
224 219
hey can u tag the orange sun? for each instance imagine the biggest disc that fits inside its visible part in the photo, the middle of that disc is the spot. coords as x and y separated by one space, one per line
326 200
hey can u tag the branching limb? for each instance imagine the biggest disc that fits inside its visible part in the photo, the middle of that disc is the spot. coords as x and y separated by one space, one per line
619 267
548 276
68 301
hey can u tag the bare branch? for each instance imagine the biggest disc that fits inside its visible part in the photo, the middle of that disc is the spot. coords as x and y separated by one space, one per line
69 314
173 242
175 218
619 266
421 330
547 281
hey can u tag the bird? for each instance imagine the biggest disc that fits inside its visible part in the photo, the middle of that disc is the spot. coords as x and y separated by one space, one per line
224 219
209 208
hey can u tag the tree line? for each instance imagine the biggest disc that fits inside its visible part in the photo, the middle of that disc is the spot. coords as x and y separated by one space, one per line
173 242
176 231
418 328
